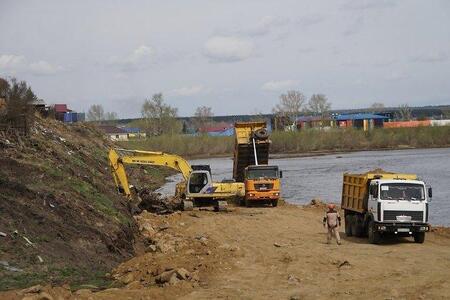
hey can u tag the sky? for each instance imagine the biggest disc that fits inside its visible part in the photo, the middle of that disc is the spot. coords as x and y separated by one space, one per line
234 56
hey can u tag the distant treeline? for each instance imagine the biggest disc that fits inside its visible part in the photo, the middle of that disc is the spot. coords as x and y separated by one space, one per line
301 142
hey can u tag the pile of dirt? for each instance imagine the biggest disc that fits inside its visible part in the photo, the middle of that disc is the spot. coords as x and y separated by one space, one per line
60 216
156 203
316 203
172 255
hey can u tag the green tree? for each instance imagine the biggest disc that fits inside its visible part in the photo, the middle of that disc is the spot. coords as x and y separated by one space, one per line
159 117
19 99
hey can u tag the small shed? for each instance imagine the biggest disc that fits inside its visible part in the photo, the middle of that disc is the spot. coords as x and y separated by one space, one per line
221 129
314 122
61 108
134 132
114 133
364 121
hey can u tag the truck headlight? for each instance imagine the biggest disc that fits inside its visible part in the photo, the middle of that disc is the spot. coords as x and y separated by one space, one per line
423 228
276 194
382 228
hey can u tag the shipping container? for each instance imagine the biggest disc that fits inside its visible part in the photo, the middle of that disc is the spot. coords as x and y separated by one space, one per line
81 117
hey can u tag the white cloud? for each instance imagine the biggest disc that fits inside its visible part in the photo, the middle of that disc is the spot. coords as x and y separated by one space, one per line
18 64
310 20
188 91
280 85
264 26
44 68
368 4
11 62
395 76
228 49
431 57
139 58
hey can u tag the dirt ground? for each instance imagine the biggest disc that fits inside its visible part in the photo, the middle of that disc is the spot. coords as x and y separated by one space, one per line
262 253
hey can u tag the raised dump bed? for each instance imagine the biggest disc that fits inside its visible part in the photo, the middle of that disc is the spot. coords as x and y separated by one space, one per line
244 155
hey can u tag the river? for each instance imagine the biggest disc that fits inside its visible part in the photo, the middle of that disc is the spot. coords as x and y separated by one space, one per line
305 178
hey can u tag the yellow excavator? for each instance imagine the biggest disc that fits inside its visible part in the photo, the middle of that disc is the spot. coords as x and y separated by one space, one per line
197 187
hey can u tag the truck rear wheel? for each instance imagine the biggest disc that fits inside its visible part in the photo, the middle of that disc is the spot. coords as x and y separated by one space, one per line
373 234
419 237
357 226
348 225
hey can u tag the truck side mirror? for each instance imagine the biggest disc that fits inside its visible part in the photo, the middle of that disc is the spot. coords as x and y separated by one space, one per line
430 192
281 174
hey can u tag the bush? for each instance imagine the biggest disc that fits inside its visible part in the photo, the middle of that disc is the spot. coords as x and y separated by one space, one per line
303 141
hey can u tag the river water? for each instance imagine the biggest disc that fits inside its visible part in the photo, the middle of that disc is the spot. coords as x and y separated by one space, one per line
306 178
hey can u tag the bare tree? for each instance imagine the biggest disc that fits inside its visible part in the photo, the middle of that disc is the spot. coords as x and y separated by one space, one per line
4 88
290 105
318 105
203 116
403 113
111 116
160 118
377 107
96 113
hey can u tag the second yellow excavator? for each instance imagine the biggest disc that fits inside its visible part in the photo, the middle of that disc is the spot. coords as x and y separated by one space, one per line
197 187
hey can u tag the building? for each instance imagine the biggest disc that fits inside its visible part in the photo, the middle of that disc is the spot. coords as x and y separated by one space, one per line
134 132
364 121
314 122
221 129
114 133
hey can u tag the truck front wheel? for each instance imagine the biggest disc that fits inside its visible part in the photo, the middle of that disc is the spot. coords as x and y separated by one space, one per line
348 225
419 237
274 203
374 235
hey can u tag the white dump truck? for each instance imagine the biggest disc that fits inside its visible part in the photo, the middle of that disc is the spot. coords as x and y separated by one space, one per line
378 203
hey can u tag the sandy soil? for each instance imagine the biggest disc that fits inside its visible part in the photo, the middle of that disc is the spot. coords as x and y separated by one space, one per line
280 253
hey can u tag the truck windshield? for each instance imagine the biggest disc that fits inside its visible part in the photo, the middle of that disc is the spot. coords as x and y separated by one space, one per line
402 191
262 173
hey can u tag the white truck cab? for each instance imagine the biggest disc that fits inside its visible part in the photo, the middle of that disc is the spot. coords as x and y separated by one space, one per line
399 201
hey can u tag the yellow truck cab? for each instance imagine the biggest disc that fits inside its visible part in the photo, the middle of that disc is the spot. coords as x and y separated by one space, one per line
262 183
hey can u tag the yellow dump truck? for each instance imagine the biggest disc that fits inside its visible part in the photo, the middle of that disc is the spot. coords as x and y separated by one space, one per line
250 164
378 203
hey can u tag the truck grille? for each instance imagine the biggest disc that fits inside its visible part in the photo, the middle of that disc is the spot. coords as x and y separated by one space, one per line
263 186
391 215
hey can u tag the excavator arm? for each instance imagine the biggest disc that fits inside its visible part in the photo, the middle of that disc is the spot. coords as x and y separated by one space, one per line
119 157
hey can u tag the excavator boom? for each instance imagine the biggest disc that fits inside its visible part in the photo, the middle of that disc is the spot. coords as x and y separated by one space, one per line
119 157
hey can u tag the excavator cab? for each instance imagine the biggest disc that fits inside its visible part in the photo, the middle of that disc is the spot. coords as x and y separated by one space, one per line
199 182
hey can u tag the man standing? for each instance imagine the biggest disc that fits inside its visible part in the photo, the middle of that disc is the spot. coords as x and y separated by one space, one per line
332 221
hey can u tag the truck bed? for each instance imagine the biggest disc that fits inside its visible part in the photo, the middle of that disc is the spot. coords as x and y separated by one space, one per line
355 187
243 151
